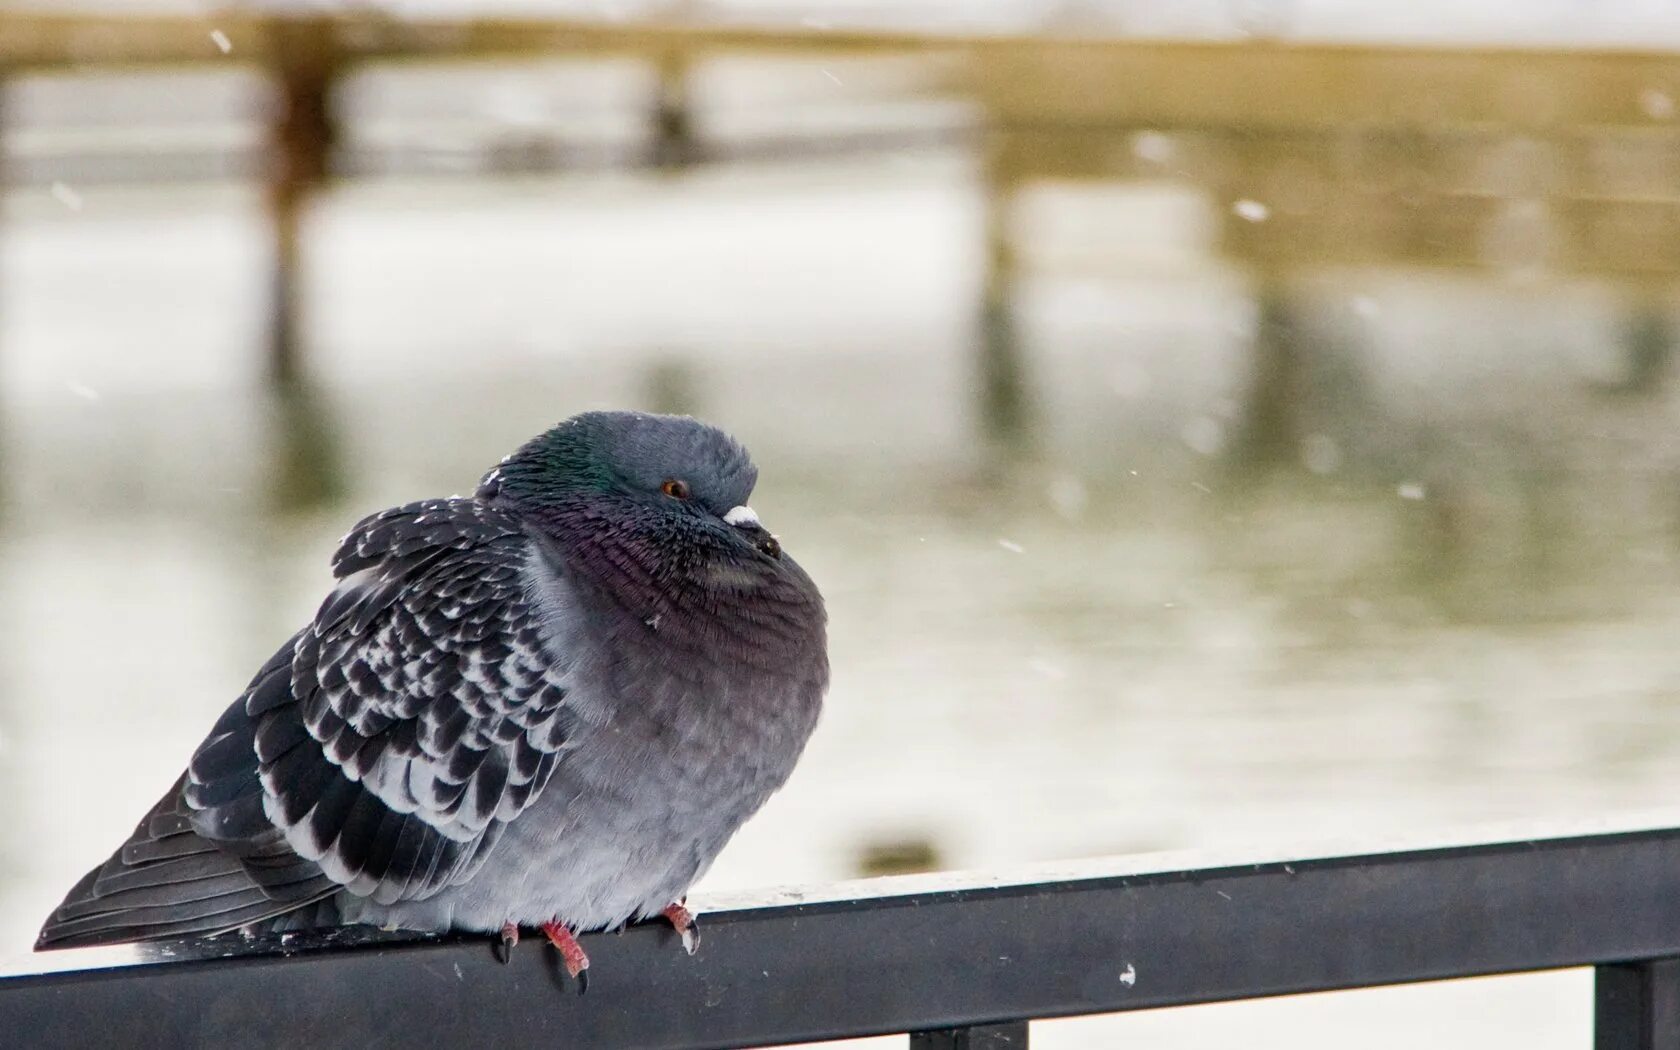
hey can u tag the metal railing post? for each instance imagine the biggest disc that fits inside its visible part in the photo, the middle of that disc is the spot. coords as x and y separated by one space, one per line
1010 1035
1637 1006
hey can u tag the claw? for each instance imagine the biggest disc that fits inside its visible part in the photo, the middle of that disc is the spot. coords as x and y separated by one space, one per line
505 945
686 924
571 953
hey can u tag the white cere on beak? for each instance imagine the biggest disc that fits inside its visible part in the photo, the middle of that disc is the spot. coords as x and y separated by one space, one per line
742 515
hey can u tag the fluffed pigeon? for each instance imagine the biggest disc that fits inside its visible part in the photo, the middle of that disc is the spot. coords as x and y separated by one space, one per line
549 705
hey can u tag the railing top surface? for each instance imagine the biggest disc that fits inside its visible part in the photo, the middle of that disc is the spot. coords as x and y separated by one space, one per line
916 952
1082 874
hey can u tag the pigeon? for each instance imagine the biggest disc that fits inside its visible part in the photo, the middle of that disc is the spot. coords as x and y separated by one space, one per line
547 706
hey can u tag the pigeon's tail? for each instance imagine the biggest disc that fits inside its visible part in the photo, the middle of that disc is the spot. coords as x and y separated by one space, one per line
169 881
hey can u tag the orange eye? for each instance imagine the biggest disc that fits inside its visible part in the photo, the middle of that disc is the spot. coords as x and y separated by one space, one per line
675 488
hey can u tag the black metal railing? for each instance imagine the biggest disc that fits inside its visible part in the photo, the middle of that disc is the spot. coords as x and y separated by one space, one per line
957 962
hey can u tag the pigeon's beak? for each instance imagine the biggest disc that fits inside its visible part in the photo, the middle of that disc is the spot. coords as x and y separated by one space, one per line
745 519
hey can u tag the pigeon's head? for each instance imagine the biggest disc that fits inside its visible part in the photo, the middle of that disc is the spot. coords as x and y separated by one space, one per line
670 473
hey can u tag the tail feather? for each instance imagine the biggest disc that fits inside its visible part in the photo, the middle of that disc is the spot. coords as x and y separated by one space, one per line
191 867
206 859
122 927
181 895
165 834
168 881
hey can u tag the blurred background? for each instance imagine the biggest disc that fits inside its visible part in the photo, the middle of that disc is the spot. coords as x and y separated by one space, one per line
1217 423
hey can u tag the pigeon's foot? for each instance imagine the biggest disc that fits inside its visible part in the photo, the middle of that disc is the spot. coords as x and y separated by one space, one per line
686 925
571 953
505 945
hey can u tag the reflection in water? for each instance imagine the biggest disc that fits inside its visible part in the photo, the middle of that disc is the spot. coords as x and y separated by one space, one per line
307 471
1445 592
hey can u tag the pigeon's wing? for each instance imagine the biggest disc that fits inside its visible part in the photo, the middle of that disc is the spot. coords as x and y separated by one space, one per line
195 872
423 713
381 749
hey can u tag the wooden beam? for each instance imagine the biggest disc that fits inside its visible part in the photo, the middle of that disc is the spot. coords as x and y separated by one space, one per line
41 40
1272 85
1037 78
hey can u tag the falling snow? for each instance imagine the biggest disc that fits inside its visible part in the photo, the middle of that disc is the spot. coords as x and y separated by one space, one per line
220 39
1048 669
1204 434
1068 496
82 390
1128 976
1657 104
66 196
1411 490
1152 146
1251 210
1010 545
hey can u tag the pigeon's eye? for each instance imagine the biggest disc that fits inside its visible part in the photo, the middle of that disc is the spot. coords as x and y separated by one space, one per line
675 488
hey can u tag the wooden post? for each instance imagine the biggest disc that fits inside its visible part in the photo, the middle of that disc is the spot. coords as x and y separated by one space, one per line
1001 373
1648 339
302 139
674 146
4 81
1271 429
